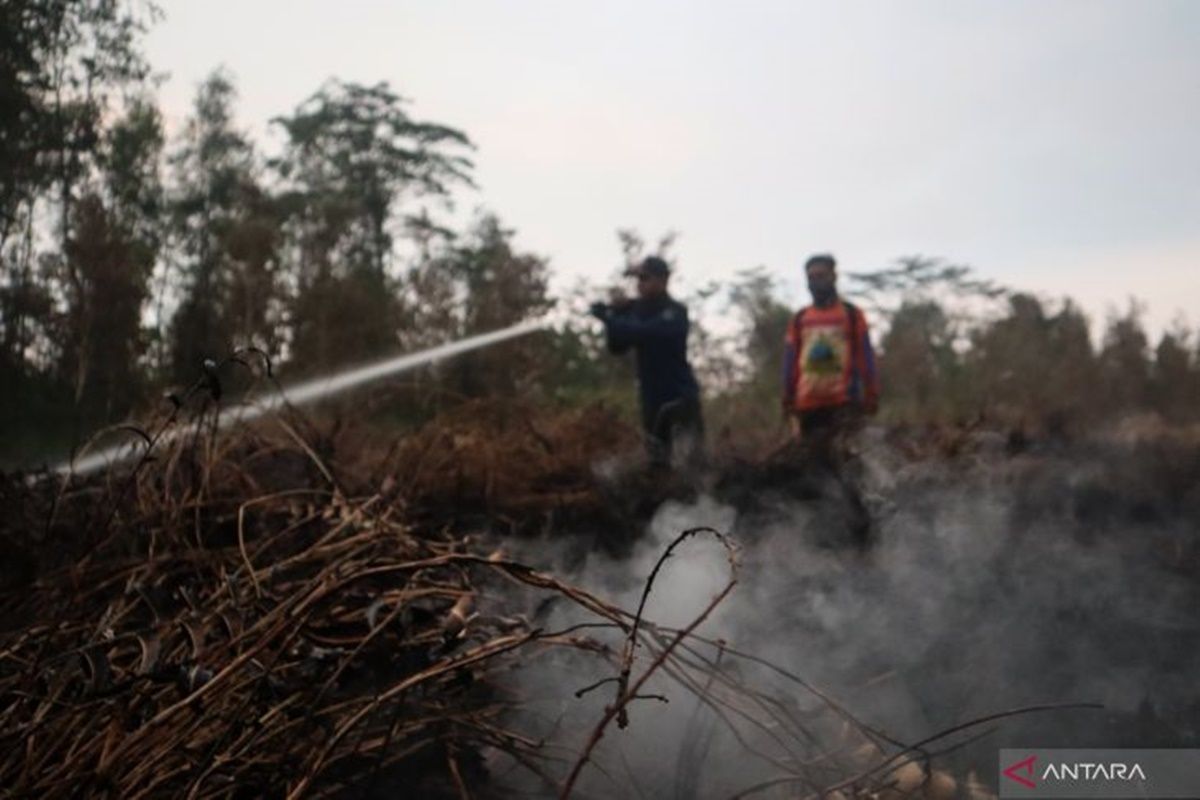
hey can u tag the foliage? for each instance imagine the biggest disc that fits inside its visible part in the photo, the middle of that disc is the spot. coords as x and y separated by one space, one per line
225 238
353 156
127 260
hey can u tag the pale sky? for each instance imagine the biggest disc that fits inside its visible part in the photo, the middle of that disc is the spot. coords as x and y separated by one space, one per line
1054 145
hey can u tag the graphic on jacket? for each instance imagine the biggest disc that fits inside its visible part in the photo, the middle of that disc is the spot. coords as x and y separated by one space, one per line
824 357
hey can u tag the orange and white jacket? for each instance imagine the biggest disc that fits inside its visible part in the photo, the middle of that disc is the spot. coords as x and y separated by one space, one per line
829 360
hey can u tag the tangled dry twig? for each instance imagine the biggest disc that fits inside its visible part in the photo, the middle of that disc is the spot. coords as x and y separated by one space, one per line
219 638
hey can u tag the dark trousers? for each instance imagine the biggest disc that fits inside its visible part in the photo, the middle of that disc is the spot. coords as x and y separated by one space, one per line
825 438
674 428
825 433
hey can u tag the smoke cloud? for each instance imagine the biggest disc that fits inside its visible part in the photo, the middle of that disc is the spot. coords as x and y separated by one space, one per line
995 581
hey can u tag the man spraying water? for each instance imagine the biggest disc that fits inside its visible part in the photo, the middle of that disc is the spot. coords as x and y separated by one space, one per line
656 326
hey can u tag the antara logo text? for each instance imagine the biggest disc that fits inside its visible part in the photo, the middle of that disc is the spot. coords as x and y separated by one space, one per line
1025 771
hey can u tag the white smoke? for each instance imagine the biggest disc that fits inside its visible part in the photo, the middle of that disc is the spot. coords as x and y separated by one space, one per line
991 585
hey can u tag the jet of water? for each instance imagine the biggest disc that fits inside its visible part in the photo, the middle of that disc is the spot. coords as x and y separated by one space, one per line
311 391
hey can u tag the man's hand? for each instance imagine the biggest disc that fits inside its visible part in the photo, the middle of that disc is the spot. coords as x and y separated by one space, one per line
618 301
790 418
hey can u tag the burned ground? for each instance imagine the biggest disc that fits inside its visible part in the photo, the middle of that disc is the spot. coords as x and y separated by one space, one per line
325 611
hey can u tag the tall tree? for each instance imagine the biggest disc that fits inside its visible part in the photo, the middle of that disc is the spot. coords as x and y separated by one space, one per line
353 158
65 67
1175 381
1125 362
106 272
110 253
1034 367
919 366
227 236
499 287
754 296
917 279
63 61
60 60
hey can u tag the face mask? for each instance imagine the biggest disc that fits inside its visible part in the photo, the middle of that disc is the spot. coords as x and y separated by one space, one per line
822 294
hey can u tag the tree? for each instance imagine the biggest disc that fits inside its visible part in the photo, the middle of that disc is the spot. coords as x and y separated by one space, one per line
66 67
62 59
1175 380
108 258
106 272
227 233
353 157
919 366
59 61
1124 362
1033 367
916 280
753 297
499 287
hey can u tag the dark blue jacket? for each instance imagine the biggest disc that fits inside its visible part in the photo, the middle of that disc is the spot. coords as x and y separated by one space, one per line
657 329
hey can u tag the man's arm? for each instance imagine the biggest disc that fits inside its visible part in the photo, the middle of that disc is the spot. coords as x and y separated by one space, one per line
607 313
791 367
625 329
617 343
868 372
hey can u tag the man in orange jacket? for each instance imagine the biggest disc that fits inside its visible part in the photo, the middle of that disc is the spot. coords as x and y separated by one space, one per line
829 378
829 383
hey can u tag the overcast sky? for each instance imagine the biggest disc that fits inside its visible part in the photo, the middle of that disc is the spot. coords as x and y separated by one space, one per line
1054 145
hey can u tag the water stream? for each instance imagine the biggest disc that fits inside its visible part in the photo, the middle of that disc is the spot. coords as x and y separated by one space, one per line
308 392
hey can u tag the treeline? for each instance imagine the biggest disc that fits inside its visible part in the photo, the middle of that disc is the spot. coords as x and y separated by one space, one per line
955 349
128 257
963 350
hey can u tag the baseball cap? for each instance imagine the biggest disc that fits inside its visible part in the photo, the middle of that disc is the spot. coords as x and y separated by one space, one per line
821 258
652 266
